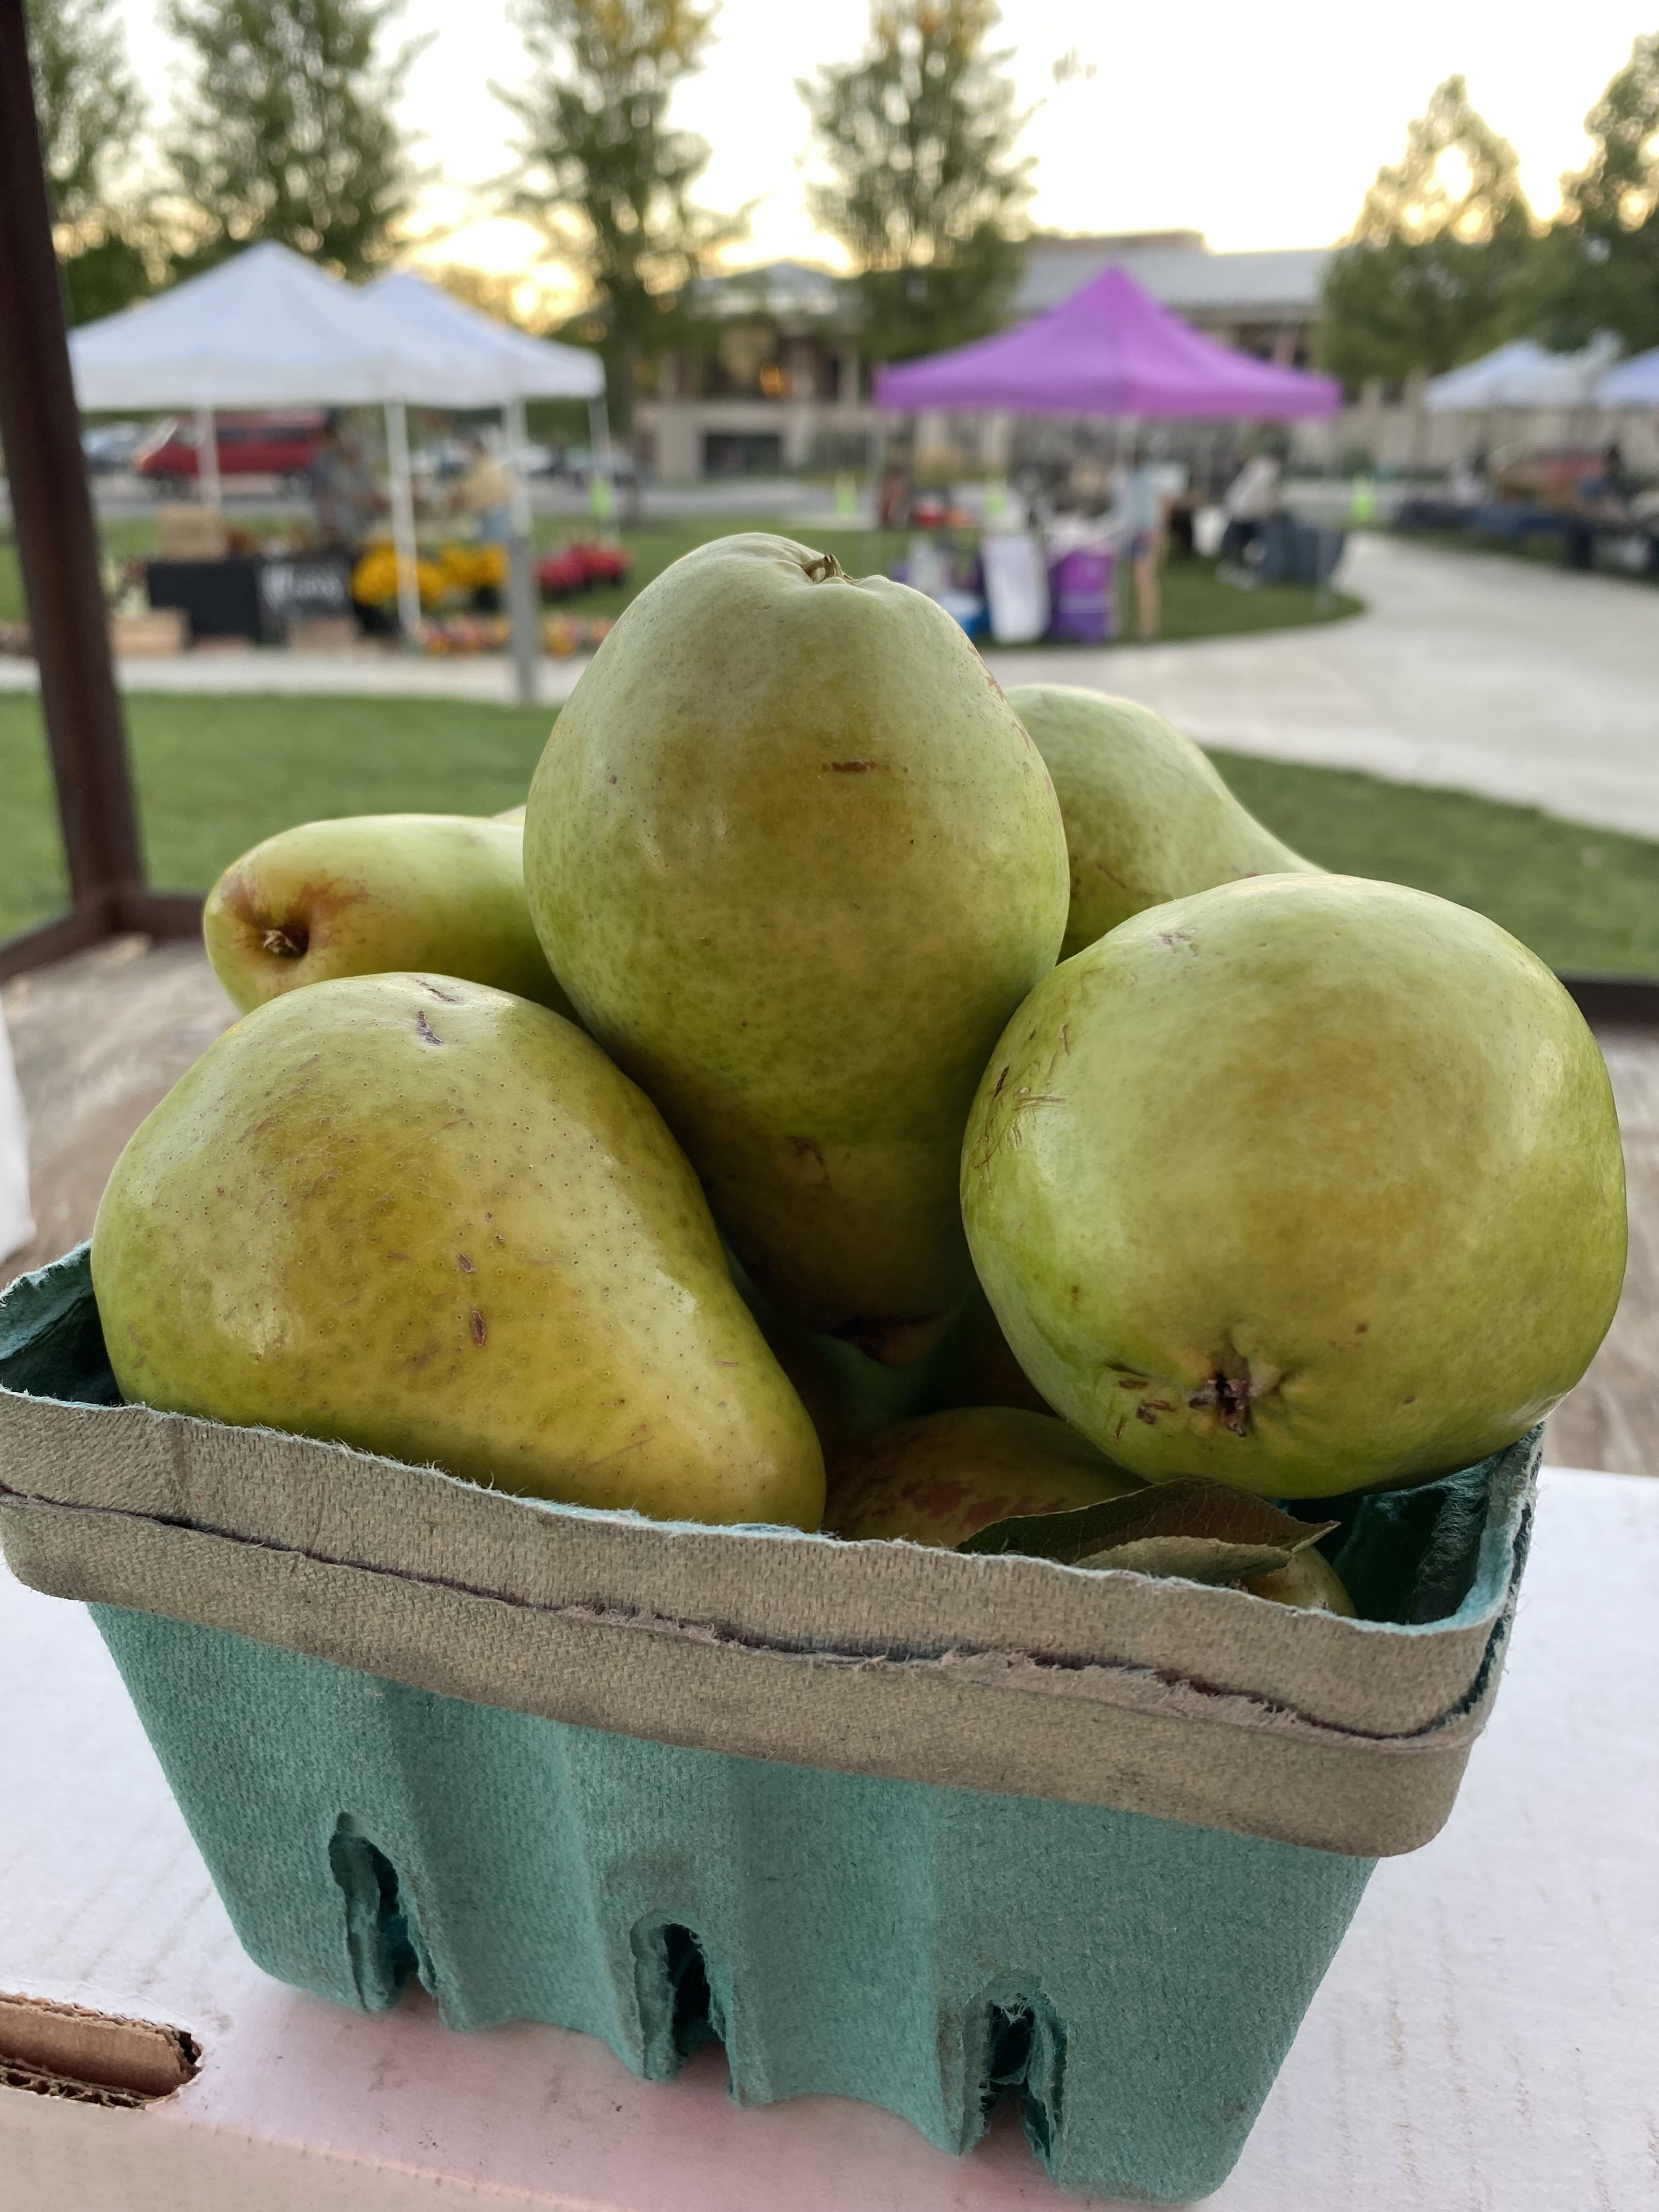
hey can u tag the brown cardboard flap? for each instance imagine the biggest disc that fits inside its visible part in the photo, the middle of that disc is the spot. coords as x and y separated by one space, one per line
68 2051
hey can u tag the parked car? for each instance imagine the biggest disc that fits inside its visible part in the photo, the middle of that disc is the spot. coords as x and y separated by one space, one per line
271 444
445 458
534 459
576 463
109 447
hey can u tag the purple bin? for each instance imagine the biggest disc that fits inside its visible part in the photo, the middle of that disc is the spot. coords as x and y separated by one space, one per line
1080 597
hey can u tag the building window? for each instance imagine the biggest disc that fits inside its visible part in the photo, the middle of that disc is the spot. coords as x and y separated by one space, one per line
742 453
742 352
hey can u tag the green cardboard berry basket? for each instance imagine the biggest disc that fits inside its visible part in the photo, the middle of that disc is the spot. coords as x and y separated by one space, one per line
899 1825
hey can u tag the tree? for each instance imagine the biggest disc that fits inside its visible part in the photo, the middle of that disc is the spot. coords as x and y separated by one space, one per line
1423 280
90 111
491 292
1599 268
287 131
919 135
603 175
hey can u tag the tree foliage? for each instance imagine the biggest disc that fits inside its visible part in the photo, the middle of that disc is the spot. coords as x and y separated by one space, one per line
601 171
86 97
287 130
90 109
1423 280
925 191
490 291
1598 270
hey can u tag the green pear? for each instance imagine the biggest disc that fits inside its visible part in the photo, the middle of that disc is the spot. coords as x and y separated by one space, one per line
942 1478
432 1220
797 863
1147 817
373 892
1311 1583
1306 1184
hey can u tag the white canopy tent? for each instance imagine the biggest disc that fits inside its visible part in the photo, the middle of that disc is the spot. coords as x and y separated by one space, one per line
270 329
522 368
525 368
1523 373
1634 383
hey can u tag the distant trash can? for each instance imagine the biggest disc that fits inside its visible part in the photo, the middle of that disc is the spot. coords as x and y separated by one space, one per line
1080 597
1293 552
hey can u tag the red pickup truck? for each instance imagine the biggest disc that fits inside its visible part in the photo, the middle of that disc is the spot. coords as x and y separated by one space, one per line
281 445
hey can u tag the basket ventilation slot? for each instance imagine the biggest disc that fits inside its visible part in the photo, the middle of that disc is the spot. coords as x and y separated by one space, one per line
1024 2050
378 1935
679 2010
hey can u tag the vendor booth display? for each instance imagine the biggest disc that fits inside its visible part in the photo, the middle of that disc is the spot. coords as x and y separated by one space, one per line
1576 496
1108 350
579 567
268 329
256 595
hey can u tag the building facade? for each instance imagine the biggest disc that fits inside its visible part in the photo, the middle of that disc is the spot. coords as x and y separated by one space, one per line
777 383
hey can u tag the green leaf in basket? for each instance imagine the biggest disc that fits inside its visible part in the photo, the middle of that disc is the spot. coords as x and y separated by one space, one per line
1204 1532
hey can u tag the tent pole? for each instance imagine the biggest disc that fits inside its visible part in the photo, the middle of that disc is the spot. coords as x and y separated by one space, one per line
878 469
601 484
405 546
208 488
520 560
57 551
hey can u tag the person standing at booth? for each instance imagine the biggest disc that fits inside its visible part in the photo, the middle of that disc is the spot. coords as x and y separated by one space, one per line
1252 498
347 504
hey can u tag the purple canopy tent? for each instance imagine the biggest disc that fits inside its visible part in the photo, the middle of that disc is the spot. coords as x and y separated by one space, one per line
1108 350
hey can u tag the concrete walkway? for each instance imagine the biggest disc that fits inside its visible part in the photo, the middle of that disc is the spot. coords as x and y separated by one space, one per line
372 671
1470 670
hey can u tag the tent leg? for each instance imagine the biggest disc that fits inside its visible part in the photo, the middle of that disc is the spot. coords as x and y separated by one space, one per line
524 628
878 469
403 543
601 484
208 490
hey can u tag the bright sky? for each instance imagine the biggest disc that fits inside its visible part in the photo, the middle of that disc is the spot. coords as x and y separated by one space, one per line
1261 127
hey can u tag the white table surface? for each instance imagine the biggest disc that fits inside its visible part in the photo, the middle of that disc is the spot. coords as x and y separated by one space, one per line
1487 2041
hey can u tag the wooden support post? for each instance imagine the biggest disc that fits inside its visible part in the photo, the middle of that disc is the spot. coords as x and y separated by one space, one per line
57 552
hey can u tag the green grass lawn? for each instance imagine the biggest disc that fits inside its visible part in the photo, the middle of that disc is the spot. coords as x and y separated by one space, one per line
1586 900
215 775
